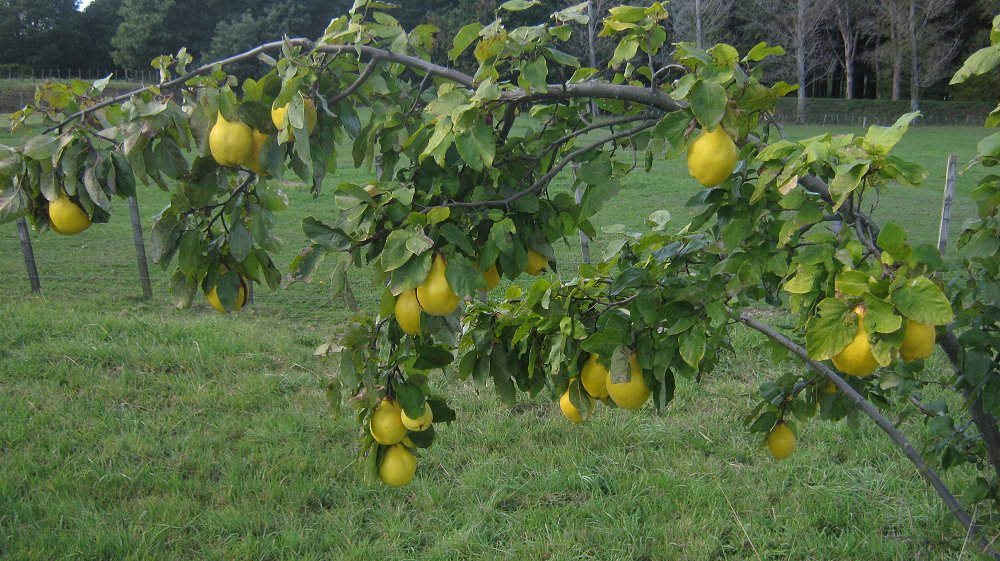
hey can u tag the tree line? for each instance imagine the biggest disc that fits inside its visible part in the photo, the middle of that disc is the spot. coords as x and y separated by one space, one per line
836 48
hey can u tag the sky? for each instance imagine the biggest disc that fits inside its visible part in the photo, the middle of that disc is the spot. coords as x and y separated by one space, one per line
83 4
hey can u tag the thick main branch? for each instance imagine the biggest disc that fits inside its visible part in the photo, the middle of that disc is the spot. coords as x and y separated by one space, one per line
654 98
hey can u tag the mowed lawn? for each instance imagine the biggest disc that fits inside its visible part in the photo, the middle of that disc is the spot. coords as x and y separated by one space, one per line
132 430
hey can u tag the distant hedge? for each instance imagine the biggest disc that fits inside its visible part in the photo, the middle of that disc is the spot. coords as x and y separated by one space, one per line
883 111
15 94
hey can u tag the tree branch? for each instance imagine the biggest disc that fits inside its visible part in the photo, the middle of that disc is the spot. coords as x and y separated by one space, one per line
645 96
543 181
362 78
972 529
985 422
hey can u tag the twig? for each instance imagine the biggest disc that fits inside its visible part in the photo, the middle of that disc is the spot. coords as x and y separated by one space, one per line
362 78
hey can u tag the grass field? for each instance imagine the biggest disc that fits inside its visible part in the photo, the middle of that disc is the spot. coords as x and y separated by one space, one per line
131 430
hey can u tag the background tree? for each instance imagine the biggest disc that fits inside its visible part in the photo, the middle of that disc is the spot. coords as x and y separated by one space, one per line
925 33
36 32
702 22
93 29
796 25
294 18
853 20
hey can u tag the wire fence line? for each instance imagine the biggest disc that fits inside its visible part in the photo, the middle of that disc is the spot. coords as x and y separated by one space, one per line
839 119
49 74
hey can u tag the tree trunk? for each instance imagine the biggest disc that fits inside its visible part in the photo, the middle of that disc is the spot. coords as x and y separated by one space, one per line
850 40
914 60
800 61
849 78
897 74
697 23
984 421
895 40
591 48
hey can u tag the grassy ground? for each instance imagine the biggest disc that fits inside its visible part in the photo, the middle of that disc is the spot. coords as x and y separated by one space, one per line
130 430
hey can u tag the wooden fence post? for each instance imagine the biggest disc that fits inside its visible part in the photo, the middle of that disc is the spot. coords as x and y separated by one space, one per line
29 255
140 248
949 194
584 240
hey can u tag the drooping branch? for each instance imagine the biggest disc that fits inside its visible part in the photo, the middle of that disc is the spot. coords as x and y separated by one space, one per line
973 530
544 180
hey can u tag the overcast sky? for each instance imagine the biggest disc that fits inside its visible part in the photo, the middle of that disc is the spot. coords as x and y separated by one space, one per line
83 4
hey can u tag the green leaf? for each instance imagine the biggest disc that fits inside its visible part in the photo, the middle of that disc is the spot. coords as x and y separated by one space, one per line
534 75
442 413
438 214
761 50
880 140
620 369
904 172
463 276
764 423
627 14
989 146
411 274
852 283
465 37
848 177
980 62
306 263
582 74
324 235
892 240
125 177
595 196
189 252
668 135
477 146
227 289
708 103
411 397
430 357
921 300
396 252
455 235
518 5
596 171
13 204
240 242
692 345
881 315
831 330
604 342
625 50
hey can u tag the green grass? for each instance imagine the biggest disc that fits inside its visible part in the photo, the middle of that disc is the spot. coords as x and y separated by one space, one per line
131 430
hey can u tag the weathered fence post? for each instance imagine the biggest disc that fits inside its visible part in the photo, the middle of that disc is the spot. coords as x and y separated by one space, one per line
140 248
584 240
949 194
29 255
